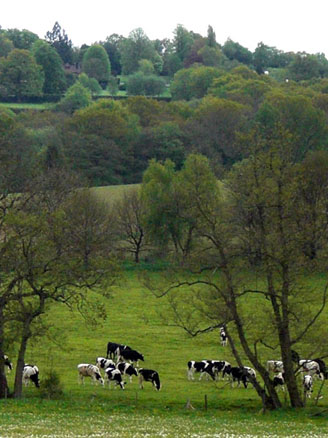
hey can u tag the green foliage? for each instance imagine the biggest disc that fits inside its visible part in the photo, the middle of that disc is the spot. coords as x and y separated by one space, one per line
52 387
54 77
96 63
60 41
147 85
90 83
135 48
22 39
6 45
20 75
234 50
193 82
76 97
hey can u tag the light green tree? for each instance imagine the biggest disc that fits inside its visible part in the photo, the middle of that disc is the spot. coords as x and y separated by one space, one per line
96 64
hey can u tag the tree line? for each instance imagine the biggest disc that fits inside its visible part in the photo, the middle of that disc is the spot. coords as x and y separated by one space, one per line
32 67
214 113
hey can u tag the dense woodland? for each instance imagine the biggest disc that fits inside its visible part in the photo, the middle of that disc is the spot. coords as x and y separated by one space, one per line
257 121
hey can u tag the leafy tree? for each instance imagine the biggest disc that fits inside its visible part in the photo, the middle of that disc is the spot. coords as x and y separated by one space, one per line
135 48
297 115
91 83
20 75
304 67
54 77
182 42
22 39
52 267
146 67
6 45
211 37
266 57
169 198
96 64
112 47
76 97
213 130
147 85
60 41
193 82
234 50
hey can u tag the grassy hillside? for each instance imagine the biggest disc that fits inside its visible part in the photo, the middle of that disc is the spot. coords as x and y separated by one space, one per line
133 319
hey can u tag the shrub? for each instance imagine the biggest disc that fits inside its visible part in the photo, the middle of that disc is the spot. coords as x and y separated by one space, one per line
52 387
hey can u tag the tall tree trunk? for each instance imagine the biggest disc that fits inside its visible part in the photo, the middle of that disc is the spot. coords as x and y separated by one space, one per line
21 361
4 390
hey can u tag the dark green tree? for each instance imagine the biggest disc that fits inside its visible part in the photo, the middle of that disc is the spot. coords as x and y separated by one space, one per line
60 41
51 63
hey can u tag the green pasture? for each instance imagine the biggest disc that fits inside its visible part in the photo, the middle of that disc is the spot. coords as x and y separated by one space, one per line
90 410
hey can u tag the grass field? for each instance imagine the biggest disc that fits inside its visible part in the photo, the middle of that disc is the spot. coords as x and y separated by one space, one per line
94 411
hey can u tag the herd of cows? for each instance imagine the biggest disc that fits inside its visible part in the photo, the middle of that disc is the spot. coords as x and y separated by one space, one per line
122 360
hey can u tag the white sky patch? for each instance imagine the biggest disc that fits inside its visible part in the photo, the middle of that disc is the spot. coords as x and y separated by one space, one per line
288 25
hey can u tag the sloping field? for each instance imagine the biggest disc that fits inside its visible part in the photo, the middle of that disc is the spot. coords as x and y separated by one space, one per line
94 411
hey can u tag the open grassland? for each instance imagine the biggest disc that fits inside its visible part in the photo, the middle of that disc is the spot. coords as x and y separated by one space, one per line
94 411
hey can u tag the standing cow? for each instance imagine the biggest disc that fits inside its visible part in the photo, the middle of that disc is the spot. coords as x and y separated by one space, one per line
89 370
149 376
31 373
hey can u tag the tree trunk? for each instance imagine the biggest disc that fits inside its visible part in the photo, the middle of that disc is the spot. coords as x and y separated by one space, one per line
4 390
21 363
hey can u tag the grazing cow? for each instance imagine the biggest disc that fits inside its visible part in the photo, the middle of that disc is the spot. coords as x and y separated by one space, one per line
279 381
237 374
7 363
250 372
127 369
103 363
149 376
114 375
311 367
202 367
218 366
130 355
111 349
276 366
308 385
31 373
89 370
223 337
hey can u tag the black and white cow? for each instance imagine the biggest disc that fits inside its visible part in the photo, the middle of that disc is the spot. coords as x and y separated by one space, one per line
223 337
279 381
308 385
312 368
7 363
129 355
31 373
149 376
219 366
103 363
114 375
237 374
89 370
111 350
203 367
127 369
275 366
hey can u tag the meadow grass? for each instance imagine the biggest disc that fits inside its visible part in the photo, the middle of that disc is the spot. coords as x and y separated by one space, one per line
90 410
